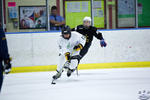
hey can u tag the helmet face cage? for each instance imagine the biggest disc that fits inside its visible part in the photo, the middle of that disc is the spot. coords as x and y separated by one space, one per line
66 30
87 21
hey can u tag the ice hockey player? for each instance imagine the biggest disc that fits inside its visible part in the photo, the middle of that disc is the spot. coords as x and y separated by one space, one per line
89 32
70 44
5 64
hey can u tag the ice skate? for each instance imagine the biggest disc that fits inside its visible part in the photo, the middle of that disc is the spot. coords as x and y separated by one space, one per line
70 71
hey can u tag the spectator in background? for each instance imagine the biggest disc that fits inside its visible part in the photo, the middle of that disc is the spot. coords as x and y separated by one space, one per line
56 21
5 64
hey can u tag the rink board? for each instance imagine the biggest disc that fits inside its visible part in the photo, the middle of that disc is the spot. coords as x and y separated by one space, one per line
83 66
38 51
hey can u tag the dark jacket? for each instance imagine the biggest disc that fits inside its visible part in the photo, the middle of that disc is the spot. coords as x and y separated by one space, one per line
88 32
3 46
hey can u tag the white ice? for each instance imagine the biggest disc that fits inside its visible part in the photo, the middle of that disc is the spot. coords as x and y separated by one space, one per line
99 84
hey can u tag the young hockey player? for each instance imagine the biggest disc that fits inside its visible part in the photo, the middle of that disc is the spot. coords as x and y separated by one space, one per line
70 44
89 32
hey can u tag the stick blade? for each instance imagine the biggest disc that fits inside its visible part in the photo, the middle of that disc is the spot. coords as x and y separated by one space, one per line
53 83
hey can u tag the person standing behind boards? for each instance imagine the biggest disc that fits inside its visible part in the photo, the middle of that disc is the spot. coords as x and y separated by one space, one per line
56 21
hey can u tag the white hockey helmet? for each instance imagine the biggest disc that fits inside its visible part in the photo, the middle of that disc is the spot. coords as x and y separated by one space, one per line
87 19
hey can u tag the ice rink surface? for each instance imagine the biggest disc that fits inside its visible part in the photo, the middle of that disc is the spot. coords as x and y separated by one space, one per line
99 84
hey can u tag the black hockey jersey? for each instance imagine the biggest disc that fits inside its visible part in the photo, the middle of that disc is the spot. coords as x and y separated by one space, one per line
89 33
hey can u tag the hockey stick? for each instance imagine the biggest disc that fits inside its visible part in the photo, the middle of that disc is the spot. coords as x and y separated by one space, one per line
77 70
77 65
61 71
65 66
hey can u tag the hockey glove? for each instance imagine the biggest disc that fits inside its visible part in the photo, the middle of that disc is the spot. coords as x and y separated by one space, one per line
7 66
103 43
67 56
78 47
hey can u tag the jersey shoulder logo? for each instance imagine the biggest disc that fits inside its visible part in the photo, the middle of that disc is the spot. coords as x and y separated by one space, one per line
80 28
